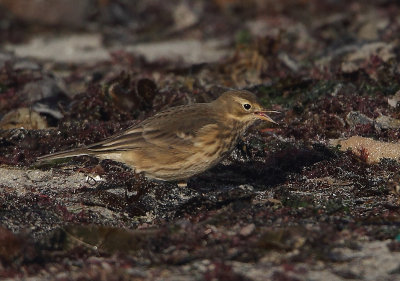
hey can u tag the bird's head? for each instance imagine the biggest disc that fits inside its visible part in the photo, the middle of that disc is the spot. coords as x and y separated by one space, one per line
242 106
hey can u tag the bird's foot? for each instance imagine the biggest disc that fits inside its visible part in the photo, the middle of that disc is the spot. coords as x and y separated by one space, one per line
182 184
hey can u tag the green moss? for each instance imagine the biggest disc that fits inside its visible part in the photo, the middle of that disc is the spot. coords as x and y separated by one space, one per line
243 37
292 91
384 88
3 88
295 202
335 206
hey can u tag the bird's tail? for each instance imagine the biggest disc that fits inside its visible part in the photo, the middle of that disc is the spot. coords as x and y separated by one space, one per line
64 154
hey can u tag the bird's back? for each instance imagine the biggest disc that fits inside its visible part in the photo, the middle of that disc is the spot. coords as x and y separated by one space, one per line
174 144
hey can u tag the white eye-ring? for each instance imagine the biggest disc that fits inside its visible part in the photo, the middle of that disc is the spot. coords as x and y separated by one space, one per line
247 106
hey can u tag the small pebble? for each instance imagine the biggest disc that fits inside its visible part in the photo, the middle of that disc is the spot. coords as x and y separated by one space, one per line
247 230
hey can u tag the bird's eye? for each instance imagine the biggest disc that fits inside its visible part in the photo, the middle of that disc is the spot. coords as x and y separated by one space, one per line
246 106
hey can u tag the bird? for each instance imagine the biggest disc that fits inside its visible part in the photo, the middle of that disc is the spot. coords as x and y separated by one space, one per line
182 141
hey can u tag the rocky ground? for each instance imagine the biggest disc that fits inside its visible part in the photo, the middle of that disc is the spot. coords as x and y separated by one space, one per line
314 198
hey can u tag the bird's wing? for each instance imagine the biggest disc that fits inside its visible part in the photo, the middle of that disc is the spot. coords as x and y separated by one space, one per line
175 128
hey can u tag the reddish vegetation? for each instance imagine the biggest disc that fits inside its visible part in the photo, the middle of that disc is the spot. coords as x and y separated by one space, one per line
284 203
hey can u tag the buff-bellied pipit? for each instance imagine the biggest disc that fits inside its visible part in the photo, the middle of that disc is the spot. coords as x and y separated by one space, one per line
182 141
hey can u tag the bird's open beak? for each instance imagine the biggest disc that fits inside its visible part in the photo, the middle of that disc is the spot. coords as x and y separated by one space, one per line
263 115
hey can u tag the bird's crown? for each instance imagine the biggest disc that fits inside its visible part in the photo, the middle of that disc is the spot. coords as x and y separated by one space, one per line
242 106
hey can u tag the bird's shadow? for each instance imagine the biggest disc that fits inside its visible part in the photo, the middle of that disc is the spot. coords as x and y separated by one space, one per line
262 174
